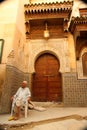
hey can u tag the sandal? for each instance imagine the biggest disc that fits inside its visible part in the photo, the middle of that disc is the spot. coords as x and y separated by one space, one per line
11 118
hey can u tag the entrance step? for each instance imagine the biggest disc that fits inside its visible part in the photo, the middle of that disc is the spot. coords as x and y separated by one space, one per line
49 104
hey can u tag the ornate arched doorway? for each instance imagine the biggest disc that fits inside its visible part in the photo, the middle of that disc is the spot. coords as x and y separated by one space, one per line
47 85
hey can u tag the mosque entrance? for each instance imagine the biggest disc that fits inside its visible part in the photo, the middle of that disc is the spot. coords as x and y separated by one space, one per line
47 85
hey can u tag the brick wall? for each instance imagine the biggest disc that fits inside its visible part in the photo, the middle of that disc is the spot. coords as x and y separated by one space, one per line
13 80
74 90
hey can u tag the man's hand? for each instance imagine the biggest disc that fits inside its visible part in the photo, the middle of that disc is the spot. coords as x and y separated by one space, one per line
12 98
29 99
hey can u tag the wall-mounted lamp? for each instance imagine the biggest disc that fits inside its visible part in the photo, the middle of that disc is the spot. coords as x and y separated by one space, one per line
46 31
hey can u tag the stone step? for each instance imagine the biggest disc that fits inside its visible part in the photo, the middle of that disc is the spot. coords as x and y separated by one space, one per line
49 104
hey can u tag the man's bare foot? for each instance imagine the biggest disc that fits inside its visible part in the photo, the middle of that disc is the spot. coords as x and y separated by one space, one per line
16 118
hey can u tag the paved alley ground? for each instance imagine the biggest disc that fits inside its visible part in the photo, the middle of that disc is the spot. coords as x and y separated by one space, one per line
55 117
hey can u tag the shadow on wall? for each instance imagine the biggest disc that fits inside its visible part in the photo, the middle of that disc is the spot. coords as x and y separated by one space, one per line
1 85
2 1
84 128
2 78
85 1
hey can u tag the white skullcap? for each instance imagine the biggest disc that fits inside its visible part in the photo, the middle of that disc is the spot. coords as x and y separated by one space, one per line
24 82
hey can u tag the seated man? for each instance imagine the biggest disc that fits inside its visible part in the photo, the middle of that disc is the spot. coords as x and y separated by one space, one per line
22 95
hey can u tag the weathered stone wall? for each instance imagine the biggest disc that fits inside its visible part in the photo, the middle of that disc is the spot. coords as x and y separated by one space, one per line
74 90
13 80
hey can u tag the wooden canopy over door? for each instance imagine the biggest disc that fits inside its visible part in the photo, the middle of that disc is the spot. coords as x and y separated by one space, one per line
47 79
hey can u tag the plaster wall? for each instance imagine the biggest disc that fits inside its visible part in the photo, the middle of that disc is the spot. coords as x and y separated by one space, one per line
19 40
12 30
8 14
71 49
7 26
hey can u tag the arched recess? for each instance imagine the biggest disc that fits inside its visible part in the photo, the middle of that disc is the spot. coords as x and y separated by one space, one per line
57 53
80 45
80 63
84 63
47 83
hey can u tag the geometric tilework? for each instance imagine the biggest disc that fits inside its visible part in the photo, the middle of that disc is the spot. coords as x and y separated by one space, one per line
75 91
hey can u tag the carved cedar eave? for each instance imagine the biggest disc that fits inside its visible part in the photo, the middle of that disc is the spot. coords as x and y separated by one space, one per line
64 8
78 24
49 12
78 28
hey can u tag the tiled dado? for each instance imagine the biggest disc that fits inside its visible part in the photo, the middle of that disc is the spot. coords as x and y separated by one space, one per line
74 90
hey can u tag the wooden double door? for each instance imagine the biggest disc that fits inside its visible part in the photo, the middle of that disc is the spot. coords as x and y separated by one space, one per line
47 85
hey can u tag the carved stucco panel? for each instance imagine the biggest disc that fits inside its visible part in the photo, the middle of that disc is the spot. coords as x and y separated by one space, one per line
58 47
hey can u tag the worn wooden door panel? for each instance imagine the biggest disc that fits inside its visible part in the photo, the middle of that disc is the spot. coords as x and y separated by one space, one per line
47 79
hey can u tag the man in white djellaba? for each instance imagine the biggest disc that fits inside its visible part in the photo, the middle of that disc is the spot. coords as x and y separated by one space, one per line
22 95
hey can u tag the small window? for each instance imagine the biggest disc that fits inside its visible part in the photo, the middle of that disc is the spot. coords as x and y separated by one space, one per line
84 62
1 48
